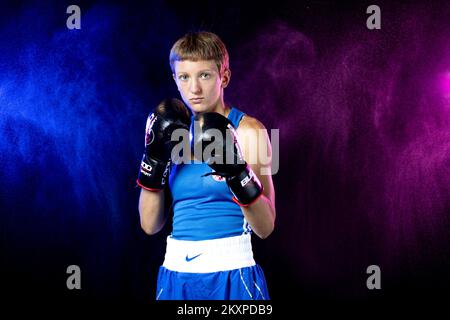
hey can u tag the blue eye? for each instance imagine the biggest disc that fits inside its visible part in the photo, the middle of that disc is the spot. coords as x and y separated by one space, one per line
182 77
205 75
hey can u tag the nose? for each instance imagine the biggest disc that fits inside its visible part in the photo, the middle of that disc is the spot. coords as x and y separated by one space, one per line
195 87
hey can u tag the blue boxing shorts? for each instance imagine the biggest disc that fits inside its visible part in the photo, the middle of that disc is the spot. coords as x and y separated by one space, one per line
218 269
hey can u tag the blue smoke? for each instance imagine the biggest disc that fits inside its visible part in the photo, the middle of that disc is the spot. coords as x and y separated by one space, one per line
73 106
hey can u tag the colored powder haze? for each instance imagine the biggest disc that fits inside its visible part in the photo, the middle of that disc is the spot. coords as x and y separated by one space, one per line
72 121
365 144
364 119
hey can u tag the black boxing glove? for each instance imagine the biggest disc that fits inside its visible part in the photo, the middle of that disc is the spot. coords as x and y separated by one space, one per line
224 156
169 115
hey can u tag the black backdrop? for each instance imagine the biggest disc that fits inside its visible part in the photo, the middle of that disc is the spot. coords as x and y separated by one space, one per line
363 119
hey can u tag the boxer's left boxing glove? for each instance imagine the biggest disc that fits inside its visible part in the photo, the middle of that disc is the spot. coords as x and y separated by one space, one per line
224 158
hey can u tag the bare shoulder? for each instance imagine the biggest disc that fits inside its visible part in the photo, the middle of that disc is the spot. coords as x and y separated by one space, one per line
248 122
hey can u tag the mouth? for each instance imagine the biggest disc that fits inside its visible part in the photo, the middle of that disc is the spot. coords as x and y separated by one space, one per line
196 100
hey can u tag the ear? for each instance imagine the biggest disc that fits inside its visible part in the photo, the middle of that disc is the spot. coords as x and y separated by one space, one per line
226 77
175 79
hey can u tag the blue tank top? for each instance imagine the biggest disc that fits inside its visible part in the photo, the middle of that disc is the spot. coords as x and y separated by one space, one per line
202 206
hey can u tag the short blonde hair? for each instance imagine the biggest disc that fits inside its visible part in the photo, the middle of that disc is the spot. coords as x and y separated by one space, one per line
200 45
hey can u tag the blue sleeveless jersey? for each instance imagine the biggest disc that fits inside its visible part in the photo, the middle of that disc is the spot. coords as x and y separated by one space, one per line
203 207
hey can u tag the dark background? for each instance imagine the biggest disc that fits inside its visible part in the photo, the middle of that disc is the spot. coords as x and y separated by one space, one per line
364 156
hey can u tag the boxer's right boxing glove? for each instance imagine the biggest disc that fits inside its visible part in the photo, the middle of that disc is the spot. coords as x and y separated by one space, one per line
169 115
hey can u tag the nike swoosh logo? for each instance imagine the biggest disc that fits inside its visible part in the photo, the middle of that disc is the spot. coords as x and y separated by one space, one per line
192 258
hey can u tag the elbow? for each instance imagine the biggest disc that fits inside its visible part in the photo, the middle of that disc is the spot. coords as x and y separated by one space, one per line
268 226
150 229
151 221
151 226
264 234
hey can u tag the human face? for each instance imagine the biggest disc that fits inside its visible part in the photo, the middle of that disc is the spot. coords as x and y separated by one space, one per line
200 85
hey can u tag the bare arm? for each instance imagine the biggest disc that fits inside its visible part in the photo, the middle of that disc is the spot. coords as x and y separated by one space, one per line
151 210
261 213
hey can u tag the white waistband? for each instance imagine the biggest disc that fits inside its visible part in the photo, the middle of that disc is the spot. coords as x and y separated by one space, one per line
209 255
